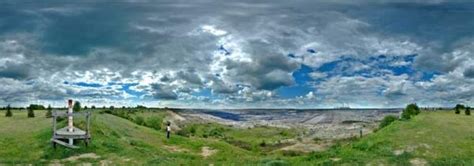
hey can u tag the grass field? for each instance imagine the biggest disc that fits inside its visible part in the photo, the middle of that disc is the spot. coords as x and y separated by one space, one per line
434 138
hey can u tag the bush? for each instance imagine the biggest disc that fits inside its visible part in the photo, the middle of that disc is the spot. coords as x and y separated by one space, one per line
263 143
31 113
387 120
139 120
184 133
216 132
468 111
409 111
154 122
9 111
413 109
405 115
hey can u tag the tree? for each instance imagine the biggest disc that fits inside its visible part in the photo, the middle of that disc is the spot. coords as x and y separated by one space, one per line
49 112
31 113
468 111
77 106
93 107
140 107
9 111
85 107
410 110
413 109
458 108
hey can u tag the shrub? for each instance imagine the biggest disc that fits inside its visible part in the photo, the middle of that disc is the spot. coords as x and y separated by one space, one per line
49 114
154 122
263 143
9 111
184 133
413 109
405 115
139 120
468 111
387 120
409 111
31 113
216 132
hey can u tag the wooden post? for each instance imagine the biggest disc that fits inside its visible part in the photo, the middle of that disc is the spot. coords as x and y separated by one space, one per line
54 123
70 120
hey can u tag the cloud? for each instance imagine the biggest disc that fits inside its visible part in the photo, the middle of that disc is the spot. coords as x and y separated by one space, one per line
238 52
163 92
469 73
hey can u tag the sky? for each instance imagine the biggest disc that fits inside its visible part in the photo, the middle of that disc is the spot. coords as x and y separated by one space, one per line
237 54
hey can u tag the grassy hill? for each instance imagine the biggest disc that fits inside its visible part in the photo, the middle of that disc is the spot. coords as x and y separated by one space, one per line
432 138
436 138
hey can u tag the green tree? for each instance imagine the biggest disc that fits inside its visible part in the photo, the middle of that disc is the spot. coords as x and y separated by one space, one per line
410 110
413 109
9 111
468 111
93 107
458 108
31 113
140 107
77 106
49 112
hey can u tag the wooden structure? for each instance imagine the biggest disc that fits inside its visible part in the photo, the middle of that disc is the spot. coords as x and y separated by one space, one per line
70 132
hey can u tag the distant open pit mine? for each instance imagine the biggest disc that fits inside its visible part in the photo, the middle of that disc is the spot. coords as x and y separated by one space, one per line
315 123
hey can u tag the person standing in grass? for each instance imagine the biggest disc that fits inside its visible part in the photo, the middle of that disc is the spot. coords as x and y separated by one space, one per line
168 130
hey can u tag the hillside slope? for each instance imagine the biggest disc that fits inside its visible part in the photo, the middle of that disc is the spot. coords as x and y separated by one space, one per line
431 138
115 141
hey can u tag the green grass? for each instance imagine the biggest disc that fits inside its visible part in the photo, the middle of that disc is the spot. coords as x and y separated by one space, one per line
439 138
249 138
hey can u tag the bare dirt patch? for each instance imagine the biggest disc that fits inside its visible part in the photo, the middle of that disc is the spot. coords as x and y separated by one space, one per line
207 151
175 149
82 156
418 162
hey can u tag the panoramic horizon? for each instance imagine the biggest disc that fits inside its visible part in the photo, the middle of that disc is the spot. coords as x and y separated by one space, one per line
237 54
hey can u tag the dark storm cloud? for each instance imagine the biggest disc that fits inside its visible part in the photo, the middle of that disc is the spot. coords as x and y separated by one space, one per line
161 91
469 72
15 71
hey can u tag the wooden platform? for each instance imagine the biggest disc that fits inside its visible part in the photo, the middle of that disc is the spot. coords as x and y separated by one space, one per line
62 134
76 132
63 144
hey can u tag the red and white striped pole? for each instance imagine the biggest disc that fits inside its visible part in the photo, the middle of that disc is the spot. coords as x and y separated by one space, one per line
70 126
